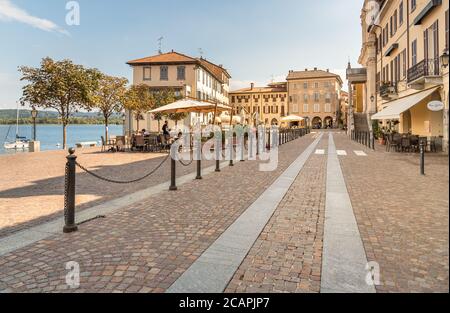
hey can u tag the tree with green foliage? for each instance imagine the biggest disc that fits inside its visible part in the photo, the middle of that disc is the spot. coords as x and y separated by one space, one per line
165 97
109 98
139 100
60 85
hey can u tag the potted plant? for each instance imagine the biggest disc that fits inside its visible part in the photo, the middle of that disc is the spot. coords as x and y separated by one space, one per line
378 133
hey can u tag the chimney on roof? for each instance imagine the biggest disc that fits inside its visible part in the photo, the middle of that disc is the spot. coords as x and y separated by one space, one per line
315 68
172 50
306 69
251 86
220 65
328 70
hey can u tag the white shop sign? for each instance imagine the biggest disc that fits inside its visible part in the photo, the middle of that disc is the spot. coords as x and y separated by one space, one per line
435 106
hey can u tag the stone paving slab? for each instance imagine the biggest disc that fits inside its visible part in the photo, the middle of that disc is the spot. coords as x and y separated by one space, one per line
146 246
31 191
287 256
35 233
212 271
344 258
402 216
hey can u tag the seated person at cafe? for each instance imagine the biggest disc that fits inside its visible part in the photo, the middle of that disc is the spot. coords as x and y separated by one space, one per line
145 132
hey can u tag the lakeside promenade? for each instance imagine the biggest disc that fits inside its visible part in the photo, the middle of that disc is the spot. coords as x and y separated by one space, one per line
152 245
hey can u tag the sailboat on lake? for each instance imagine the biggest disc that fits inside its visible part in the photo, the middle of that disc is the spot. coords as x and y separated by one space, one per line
20 143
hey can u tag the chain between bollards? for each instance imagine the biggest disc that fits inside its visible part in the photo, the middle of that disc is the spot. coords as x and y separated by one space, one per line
69 193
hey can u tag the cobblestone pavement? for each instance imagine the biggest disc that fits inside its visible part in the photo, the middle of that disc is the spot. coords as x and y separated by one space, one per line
287 256
144 247
402 217
32 186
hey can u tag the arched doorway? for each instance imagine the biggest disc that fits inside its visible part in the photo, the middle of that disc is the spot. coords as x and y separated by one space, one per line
328 122
316 123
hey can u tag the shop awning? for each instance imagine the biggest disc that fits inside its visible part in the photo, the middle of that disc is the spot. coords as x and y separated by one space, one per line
397 107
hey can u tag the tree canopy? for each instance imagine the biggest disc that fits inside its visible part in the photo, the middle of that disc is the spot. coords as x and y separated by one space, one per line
60 85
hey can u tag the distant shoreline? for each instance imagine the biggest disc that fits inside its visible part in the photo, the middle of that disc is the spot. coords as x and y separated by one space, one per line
94 124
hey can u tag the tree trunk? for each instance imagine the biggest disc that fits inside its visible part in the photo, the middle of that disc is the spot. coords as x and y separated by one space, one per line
106 129
159 124
137 126
64 135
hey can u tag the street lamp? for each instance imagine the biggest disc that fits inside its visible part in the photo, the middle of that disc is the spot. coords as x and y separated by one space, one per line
34 114
444 58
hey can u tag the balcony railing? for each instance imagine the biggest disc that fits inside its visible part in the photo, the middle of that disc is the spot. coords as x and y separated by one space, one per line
425 68
388 89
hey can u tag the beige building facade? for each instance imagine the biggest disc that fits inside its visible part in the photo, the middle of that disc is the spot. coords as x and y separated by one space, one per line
404 44
315 96
311 94
186 76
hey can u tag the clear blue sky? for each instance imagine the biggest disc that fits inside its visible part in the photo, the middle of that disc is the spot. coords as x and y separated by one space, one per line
253 39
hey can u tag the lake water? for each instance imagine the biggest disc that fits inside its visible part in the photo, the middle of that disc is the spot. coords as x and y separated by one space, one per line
51 135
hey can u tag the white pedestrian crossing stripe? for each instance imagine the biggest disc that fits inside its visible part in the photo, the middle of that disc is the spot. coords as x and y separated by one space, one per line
360 153
341 152
320 151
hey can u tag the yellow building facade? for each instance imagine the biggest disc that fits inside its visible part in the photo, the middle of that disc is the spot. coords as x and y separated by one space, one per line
315 95
265 105
404 56
311 94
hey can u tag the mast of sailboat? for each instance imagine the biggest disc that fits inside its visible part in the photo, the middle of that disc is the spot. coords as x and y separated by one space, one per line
17 122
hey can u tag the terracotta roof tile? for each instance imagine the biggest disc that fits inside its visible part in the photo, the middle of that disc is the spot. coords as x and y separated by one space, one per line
175 57
311 74
259 90
170 57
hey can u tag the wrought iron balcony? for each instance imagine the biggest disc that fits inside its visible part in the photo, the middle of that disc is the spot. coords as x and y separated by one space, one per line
388 89
423 69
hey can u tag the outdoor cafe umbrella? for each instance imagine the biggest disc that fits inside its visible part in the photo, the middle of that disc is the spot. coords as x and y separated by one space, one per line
191 106
292 118
225 118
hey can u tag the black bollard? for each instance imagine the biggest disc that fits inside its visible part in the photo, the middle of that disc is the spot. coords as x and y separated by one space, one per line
422 158
217 166
173 167
231 152
218 148
373 141
199 169
257 142
242 150
69 194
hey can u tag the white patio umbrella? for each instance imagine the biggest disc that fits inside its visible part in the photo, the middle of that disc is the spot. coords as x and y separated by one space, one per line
189 105
225 118
292 118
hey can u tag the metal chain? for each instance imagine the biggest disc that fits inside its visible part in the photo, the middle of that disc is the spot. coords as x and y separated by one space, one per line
122 182
186 164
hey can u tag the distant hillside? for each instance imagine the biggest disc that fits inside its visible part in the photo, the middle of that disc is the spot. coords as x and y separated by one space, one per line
11 113
8 116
